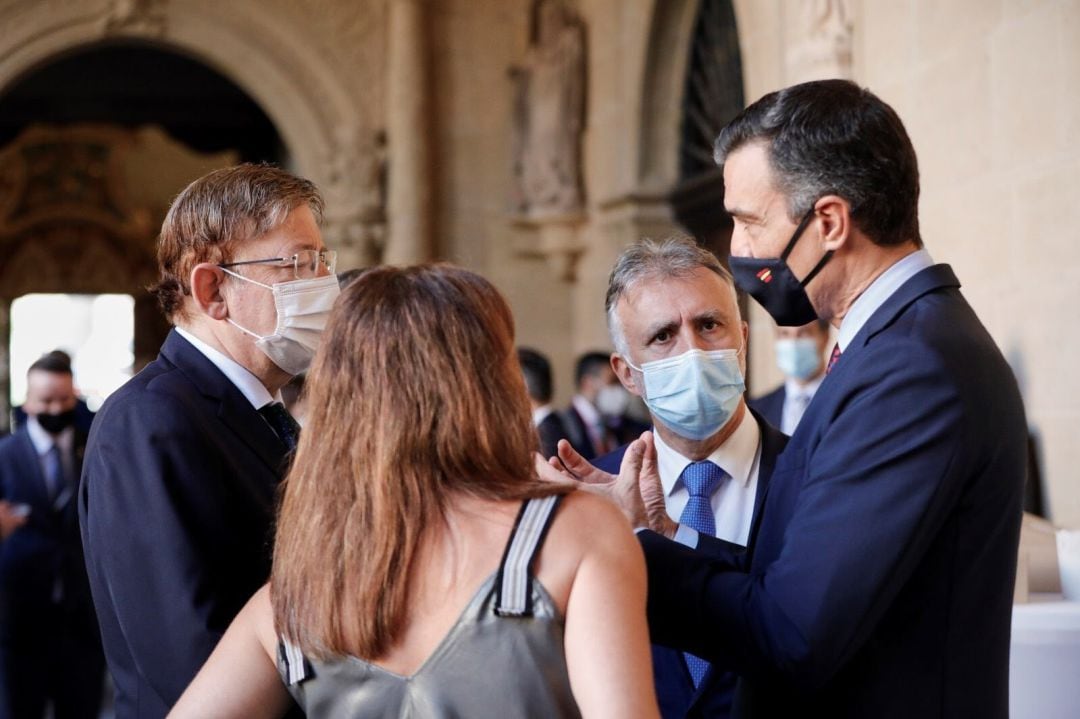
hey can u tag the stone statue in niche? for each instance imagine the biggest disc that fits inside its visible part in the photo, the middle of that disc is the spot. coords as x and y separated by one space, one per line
824 51
549 94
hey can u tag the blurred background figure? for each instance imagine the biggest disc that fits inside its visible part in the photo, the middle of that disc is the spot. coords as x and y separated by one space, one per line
800 355
388 589
588 433
537 372
83 415
50 649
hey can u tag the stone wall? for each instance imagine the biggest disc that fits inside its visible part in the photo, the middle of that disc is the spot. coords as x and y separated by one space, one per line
987 91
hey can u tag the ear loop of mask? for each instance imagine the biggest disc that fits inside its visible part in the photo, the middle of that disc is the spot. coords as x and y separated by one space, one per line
791 246
245 330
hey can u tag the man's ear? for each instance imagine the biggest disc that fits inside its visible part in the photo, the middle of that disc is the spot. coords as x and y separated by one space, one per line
206 281
625 374
834 215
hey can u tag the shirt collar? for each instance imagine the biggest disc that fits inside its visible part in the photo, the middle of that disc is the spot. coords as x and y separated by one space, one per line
540 414
249 385
43 441
878 292
735 456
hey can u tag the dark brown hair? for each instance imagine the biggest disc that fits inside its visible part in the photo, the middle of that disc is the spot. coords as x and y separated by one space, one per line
215 213
415 396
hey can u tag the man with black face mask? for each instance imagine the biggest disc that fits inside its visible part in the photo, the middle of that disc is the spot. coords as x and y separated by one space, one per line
50 650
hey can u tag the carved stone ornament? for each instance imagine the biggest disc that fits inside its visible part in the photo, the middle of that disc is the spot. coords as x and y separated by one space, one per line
65 223
822 37
355 192
549 94
135 17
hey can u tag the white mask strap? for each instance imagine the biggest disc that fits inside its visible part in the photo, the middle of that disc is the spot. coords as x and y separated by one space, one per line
227 271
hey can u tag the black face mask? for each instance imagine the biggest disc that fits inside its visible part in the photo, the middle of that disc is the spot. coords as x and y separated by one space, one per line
771 283
56 423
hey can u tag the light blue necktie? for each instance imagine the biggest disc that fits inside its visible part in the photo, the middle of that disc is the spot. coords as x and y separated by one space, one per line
54 472
701 479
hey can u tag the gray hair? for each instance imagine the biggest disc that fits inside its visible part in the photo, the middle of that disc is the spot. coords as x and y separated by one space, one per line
648 259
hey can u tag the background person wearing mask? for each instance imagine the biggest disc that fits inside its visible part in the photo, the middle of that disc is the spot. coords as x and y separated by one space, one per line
800 355
83 415
681 344
537 372
588 433
183 462
50 650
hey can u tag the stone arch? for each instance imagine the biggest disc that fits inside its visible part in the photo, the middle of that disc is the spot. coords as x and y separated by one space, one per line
247 43
663 81
682 37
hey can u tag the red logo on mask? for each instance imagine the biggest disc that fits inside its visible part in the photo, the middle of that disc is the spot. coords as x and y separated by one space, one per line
765 275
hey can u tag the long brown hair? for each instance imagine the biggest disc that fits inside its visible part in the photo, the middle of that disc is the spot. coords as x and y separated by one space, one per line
415 395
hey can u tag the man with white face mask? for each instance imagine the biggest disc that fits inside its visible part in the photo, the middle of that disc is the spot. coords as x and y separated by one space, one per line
800 355
183 462
680 344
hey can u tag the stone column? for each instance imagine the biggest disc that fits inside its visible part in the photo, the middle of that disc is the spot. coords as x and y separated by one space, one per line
409 195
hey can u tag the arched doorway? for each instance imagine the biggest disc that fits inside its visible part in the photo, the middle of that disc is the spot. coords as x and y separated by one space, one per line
93 146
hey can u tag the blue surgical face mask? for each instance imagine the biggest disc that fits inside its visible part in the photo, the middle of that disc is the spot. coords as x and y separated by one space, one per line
694 394
798 358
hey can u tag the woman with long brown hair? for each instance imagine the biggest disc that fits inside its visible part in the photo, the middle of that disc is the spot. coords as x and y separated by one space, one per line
421 569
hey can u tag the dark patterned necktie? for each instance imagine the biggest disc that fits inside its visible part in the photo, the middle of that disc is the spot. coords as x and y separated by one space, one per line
282 423
701 480
833 358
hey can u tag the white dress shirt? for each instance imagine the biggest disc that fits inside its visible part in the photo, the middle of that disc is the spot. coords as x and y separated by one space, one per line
796 399
733 501
880 290
249 385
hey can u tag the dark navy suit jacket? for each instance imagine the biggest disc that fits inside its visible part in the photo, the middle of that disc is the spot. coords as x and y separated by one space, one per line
176 506
770 406
44 551
675 690
882 575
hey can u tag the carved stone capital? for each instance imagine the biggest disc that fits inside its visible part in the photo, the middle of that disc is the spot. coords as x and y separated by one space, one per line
145 18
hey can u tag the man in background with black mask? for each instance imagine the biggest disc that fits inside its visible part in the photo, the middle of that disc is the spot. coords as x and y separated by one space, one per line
50 650
183 461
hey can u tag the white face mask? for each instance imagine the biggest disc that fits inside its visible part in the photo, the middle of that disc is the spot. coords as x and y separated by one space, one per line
302 310
612 400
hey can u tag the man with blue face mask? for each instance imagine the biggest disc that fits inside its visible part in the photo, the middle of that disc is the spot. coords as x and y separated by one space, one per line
800 355
183 462
681 346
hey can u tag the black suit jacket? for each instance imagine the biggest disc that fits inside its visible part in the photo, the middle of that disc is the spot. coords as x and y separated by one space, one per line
675 689
881 579
176 506
551 430
43 554
770 406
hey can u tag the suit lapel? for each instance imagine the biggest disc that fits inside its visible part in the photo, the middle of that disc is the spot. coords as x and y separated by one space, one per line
772 444
233 408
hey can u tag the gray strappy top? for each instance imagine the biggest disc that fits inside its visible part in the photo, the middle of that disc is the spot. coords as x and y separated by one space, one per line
503 658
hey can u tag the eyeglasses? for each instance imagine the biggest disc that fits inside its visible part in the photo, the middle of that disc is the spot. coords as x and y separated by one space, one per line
305 263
